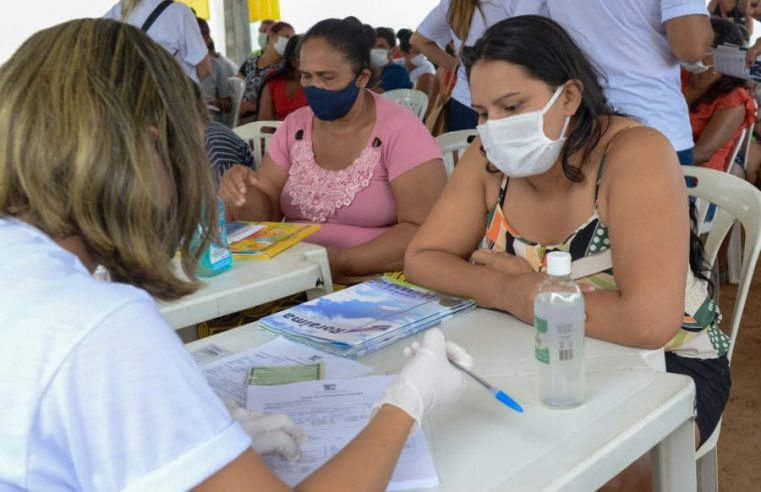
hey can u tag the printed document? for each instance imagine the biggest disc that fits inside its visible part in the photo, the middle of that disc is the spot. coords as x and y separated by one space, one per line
227 376
332 412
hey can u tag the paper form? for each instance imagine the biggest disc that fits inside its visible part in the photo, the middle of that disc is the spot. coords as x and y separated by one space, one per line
730 60
332 412
227 376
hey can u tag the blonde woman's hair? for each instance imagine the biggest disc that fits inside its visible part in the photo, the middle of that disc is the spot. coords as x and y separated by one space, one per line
460 16
128 6
101 139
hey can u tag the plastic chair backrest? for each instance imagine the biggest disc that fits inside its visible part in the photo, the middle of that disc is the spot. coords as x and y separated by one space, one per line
452 146
257 139
736 200
238 86
742 141
416 101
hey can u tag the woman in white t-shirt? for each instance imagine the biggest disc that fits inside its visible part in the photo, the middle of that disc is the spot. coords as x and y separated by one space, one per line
174 27
461 22
422 72
103 163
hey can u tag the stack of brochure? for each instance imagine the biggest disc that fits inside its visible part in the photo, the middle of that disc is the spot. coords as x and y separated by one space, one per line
365 317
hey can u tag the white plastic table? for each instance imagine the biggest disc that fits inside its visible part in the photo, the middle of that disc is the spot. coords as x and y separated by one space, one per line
303 267
479 445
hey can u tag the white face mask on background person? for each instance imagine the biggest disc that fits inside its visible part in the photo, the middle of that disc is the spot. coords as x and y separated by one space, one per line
378 57
280 45
262 40
695 68
518 146
418 59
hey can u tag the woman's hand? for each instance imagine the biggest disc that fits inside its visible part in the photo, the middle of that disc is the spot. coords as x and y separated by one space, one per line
235 184
504 262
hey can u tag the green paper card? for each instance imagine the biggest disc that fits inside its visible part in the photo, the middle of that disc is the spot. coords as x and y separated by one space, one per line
284 374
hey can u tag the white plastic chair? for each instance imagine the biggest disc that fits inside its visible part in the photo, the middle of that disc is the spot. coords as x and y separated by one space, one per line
257 139
238 86
736 200
415 101
452 146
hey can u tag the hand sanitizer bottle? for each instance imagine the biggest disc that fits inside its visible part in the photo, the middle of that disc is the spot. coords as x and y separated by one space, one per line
217 257
559 324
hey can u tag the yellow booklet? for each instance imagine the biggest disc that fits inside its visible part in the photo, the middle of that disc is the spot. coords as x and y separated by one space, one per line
275 238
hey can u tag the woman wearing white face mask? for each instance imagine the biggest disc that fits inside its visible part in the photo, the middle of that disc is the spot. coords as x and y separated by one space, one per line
391 75
556 169
422 72
256 68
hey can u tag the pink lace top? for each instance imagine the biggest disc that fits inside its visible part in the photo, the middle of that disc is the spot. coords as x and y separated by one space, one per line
355 204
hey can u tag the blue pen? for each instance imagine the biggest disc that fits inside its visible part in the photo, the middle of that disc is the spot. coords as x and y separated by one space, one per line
496 393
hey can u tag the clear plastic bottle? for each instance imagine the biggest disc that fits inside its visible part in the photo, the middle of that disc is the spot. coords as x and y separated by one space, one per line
559 324
217 257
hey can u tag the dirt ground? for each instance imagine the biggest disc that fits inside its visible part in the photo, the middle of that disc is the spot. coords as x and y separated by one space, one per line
740 441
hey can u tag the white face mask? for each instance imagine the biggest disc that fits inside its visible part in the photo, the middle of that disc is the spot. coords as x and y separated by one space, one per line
418 59
695 67
518 146
280 45
262 40
378 57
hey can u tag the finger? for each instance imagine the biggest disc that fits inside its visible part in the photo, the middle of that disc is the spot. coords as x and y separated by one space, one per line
459 355
483 256
434 341
412 349
277 442
587 288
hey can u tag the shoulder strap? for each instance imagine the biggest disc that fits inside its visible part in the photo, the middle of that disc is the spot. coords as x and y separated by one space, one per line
605 157
155 14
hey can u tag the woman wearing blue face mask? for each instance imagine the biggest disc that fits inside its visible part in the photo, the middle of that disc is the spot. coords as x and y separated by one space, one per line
358 164
556 169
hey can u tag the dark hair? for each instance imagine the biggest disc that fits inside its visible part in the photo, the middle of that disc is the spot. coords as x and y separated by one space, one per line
203 26
388 34
724 31
279 26
547 52
404 35
345 36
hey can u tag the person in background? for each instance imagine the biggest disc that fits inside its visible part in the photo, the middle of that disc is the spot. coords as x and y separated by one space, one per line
556 169
230 67
358 164
282 93
720 105
105 396
391 75
261 39
256 68
422 72
401 33
461 22
215 88
175 29
733 11
657 34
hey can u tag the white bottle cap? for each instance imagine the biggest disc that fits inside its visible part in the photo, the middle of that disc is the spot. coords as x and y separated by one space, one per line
558 264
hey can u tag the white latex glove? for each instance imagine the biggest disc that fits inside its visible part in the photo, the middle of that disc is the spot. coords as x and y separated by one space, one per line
271 433
428 380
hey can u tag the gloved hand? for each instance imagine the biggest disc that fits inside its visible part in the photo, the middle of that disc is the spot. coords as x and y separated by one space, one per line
428 380
271 433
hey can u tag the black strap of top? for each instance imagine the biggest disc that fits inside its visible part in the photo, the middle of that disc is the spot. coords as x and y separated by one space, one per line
155 14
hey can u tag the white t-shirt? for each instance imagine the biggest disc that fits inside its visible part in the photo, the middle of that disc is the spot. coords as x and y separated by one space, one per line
627 40
436 28
415 73
99 392
176 29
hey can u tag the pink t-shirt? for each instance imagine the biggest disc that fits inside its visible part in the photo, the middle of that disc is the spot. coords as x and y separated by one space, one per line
353 205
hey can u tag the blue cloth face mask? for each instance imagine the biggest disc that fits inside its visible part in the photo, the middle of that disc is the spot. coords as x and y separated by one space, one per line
331 105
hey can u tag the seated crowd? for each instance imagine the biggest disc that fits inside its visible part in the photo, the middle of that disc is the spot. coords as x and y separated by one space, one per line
124 181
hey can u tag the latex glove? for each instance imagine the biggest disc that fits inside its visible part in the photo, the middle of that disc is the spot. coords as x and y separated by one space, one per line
271 433
428 380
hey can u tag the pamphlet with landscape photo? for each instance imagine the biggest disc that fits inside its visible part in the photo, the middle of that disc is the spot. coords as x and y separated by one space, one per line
365 317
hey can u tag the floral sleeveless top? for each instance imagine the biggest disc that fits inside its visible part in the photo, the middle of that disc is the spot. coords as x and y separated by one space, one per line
591 260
